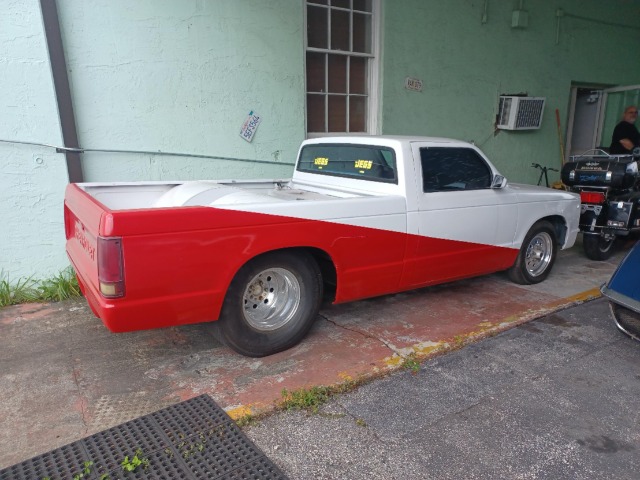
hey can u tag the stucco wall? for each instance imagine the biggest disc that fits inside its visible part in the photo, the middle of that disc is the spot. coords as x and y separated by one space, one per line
466 64
182 77
152 75
32 179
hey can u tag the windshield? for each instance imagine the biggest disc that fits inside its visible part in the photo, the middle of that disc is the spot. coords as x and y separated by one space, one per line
365 162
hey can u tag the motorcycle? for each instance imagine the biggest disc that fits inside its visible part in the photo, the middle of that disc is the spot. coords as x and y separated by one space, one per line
623 293
609 188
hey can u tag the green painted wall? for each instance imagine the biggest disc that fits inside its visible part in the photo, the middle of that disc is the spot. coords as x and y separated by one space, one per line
182 76
466 64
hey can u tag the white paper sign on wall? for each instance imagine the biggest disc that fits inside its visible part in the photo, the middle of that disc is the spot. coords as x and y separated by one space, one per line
250 126
413 84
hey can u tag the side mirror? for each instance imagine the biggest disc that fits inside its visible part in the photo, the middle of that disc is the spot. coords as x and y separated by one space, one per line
499 182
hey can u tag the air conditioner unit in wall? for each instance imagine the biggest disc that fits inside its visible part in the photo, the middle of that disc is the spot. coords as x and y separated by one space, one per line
520 113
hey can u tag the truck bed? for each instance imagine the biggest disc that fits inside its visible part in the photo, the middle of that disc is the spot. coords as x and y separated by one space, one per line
142 195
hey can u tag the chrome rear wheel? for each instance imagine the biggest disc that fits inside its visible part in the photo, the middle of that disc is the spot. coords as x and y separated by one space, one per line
271 299
271 303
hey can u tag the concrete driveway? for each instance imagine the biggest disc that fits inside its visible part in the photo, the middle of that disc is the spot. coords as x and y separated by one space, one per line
64 376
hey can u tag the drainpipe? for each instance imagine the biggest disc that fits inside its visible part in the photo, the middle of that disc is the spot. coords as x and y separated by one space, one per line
62 89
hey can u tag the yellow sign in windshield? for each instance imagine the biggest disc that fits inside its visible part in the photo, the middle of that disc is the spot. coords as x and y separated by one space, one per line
321 161
363 164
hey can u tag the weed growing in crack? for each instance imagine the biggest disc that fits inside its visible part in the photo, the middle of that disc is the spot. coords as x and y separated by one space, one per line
309 399
360 422
459 340
410 362
246 420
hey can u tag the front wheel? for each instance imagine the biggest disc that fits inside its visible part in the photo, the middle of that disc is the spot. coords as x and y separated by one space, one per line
536 256
271 304
598 247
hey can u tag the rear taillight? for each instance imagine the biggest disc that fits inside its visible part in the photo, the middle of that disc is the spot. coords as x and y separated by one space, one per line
592 197
110 267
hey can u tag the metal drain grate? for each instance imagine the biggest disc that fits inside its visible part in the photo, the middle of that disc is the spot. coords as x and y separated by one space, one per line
195 439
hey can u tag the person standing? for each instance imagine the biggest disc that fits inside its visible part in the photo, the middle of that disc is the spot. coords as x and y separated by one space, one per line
625 136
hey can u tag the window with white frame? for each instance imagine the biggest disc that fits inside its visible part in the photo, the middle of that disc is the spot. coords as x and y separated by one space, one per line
340 63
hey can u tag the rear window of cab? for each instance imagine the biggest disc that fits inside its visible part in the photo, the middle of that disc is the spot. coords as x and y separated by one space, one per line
363 162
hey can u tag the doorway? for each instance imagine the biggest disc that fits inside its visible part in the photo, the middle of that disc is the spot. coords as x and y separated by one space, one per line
593 113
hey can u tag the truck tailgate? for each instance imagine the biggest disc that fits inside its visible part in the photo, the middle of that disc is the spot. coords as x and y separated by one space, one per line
82 219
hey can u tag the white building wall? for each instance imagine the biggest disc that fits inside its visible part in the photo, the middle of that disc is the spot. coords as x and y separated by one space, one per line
32 179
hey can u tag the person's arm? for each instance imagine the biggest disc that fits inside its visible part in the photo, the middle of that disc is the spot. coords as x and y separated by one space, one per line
626 143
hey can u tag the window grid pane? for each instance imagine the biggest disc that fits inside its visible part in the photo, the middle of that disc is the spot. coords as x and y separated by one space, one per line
361 33
317 27
362 5
316 72
340 30
358 75
357 114
337 107
337 74
315 113
341 3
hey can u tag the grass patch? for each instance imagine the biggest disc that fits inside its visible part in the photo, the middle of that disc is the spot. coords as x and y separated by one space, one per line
23 291
310 399
59 287
246 420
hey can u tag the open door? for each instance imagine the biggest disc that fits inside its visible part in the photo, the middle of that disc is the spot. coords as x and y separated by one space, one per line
593 114
614 101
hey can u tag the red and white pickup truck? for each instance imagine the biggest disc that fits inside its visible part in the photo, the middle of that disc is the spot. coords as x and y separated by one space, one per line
361 216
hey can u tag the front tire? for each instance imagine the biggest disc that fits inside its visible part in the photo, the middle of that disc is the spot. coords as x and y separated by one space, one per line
598 247
271 304
537 255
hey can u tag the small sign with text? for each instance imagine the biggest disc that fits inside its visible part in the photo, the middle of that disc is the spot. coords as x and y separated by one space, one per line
413 84
250 126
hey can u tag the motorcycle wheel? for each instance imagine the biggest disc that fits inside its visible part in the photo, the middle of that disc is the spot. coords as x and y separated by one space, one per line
598 247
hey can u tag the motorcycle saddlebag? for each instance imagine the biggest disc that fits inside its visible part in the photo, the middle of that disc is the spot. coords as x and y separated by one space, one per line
598 173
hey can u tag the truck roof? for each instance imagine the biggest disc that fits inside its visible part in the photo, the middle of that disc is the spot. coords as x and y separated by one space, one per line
383 139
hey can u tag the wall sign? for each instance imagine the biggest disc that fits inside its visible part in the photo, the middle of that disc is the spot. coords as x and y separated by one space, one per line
250 126
413 84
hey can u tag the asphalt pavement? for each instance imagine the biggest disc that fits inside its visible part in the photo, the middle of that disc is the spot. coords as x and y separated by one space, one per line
555 398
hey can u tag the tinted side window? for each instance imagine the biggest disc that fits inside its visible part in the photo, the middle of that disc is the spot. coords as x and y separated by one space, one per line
445 169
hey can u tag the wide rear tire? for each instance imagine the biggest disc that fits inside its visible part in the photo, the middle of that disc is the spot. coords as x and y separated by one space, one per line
598 247
537 255
271 304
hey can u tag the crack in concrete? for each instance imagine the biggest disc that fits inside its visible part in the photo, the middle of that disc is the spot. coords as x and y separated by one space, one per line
387 344
370 431
83 411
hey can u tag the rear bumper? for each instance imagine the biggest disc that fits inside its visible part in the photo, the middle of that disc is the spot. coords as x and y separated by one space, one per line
124 315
